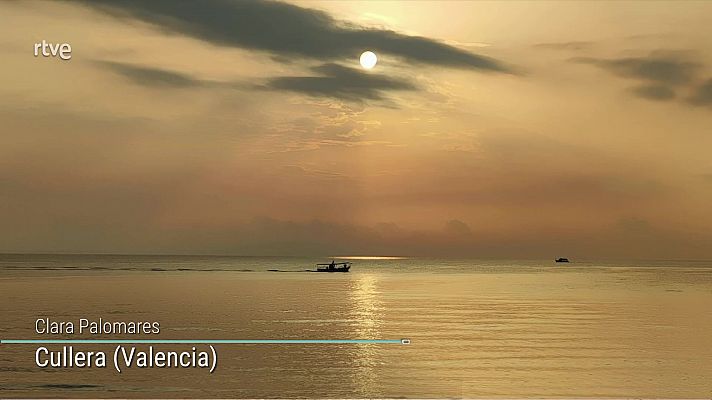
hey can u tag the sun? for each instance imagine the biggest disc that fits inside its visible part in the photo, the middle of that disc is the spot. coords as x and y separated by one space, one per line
368 59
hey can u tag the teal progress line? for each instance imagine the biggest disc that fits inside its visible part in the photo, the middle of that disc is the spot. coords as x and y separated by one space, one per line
206 341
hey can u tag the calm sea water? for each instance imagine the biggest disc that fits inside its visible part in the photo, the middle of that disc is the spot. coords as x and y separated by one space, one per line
478 328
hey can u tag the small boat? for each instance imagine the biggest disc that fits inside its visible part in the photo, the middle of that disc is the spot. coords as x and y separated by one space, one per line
334 267
562 259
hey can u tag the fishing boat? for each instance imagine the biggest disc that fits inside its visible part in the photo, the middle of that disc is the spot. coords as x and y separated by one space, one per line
562 260
334 267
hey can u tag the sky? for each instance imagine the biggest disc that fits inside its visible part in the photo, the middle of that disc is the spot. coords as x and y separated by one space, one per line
487 129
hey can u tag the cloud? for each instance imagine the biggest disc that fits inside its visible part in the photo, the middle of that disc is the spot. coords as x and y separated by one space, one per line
664 69
341 82
654 92
150 76
330 80
287 30
328 123
574 45
702 95
661 75
455 227
163 78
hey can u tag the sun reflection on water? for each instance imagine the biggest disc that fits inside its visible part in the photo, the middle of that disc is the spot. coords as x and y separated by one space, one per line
366 314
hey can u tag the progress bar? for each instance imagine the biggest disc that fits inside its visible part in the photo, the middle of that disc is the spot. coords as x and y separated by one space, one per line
205 341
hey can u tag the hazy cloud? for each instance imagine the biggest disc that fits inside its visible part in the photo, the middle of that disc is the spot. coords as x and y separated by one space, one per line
335 80
329 80
654 92
574 45
456 227
150 76
665 69
702 95
634 225
662 74
285 29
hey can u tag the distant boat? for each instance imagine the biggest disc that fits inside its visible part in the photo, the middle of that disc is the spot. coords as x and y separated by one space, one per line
334 267
562 259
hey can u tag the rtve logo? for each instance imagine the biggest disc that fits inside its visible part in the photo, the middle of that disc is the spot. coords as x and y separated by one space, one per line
61 50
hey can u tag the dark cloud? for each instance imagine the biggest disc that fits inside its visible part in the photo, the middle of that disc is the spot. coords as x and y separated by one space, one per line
329 80
655 92
163 78
664 69
288 30
702 95
662 74
150 76
340 82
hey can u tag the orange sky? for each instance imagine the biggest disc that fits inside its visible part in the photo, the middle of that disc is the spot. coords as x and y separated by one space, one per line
487 129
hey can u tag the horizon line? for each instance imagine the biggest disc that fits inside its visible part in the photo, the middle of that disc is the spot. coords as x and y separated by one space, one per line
355 257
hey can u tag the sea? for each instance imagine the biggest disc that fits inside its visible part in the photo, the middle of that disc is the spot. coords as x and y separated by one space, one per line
475 328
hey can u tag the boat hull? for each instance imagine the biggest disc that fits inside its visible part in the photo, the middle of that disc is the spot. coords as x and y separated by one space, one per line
344 269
